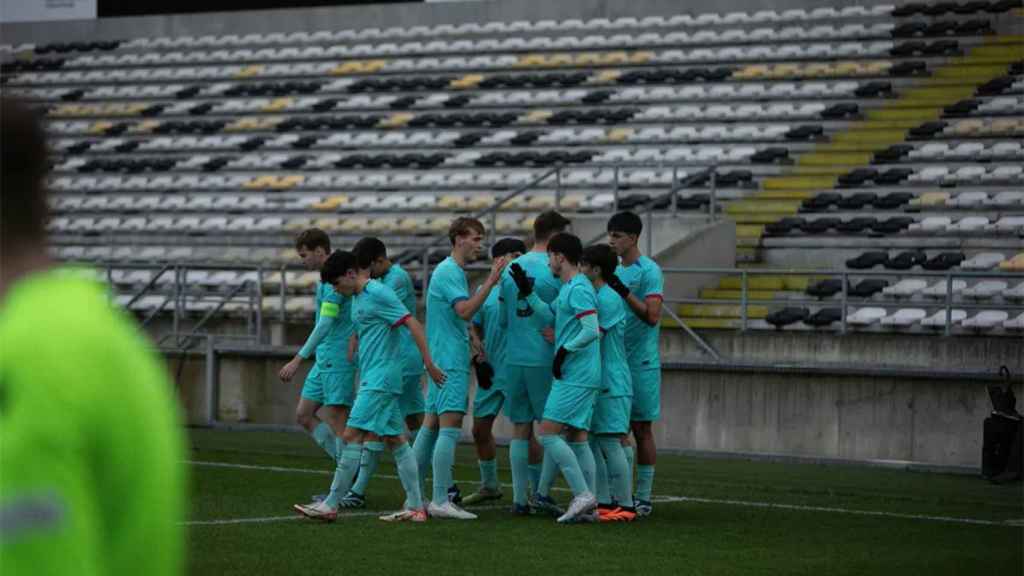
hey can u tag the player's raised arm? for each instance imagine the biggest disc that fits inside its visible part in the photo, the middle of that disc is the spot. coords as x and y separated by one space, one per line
467 308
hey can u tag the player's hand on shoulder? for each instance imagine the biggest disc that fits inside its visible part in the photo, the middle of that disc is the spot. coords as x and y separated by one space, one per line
497 266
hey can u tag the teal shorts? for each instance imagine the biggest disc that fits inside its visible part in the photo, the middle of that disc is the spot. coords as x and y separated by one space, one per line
453 396
333 388
526 392
377 412
571 405
411 400
611 415
646 395
487 403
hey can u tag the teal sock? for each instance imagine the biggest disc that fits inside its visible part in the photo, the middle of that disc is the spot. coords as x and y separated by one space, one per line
444 458
423 449
644 482
600 473
563 455
519 460
346 469
630 457
367 466
620 477
587 465
325 438
548 469
489 474
535 470
405 460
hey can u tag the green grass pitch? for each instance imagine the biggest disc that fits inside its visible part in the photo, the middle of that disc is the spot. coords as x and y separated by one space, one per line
711 516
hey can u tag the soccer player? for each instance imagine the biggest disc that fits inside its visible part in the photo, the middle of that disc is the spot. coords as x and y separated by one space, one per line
373 251
638 280
329 384
576 369
449 308
610 424
377 314
91 444
489 326
528 363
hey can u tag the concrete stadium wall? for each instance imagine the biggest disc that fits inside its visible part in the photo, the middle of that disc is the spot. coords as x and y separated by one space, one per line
382 16
844 413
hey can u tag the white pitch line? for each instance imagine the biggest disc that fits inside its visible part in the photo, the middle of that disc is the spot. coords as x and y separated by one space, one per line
269 519
659 499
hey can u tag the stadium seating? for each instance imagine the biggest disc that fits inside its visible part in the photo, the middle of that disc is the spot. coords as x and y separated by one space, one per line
892 135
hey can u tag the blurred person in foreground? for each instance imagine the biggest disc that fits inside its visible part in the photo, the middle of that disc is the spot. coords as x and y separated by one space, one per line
91 449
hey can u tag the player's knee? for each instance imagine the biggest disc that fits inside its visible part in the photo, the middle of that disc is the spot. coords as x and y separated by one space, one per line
351 435
306 420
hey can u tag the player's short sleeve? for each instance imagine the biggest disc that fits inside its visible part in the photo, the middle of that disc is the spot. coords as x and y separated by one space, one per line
582 302
653 285
388 307
450 288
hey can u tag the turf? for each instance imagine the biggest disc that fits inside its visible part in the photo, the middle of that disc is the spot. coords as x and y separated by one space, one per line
726 526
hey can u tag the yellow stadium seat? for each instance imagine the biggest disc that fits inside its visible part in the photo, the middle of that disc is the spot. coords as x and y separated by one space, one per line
285 182
385 225
371 66
604 76
411 225
452 202
278 104
967 128
786 70
1006 126
560 60
298 225
1015 264
100 127
330 204
479 201
540 202
535 117
260 182
438 225
467 81
250 71
619 134
641 57
396 120
930 199
144 127
818 70
573 201
330 224
875 68
751 72
531 61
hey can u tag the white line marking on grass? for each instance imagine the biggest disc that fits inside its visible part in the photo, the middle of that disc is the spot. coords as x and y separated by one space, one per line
296 516
658 499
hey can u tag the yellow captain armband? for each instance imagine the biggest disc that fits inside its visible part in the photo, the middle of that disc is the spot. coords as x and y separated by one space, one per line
329 310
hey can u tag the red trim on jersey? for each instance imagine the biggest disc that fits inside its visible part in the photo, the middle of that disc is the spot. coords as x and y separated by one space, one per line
585 313
401 321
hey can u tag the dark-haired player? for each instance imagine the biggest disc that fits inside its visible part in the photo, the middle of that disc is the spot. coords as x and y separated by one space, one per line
576 368
610 424
639 282
377 315
528 363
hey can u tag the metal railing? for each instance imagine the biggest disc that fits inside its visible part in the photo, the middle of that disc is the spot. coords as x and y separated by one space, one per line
845 300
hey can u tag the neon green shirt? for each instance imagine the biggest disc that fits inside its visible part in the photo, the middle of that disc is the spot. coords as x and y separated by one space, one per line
91 474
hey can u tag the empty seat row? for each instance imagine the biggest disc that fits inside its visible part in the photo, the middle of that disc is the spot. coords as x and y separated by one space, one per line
970 199
897 319
985 289
946 224
941 261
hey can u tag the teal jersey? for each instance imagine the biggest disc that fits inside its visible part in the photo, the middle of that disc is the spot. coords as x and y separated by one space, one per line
611 316
377 313
576 300
643 278
531 348
332 351
491 319
446 331
398 280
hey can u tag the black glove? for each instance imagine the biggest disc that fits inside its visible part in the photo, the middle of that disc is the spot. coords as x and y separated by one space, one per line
521 279
556 368
615 283
484 373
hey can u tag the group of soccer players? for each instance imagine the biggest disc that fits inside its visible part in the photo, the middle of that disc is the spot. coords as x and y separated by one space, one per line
563 338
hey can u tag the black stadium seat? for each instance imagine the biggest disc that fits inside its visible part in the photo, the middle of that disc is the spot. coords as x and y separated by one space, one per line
824 317
867 288
784 226
820 225
944 261
906 260
825 288
857 225
867 260
787 316
893 225
857 201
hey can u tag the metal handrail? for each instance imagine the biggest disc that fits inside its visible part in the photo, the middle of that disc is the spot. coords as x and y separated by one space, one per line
947 304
